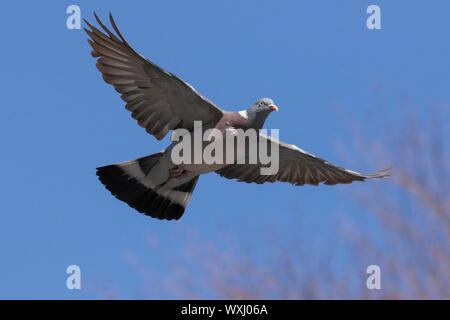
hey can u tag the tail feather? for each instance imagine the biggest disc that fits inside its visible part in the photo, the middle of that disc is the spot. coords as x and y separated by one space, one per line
129 182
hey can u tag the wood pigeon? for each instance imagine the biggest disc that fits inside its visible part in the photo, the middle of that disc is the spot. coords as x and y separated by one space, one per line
162 102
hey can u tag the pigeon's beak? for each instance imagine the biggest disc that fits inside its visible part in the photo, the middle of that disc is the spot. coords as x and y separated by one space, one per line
273 107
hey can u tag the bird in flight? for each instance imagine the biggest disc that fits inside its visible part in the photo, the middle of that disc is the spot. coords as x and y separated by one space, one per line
161 102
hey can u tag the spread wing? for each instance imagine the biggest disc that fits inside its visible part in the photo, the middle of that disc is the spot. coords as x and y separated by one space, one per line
296 166
158 100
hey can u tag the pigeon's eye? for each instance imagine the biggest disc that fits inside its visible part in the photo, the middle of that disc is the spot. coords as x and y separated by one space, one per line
261 104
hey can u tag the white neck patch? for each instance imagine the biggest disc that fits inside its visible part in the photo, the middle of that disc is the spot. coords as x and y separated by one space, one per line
243 114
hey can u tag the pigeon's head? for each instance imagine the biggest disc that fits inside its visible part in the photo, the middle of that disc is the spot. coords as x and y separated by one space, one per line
264 105
259 111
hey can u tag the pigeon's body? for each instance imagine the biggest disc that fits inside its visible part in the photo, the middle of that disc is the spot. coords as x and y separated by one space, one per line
230 121
235 120
161 102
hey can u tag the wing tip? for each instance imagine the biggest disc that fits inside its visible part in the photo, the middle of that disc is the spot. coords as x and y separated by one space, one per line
380 174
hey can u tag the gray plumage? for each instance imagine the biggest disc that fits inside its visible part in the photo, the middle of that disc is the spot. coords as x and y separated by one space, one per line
161 102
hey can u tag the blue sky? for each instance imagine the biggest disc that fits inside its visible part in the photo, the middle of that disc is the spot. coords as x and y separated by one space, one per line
60 120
